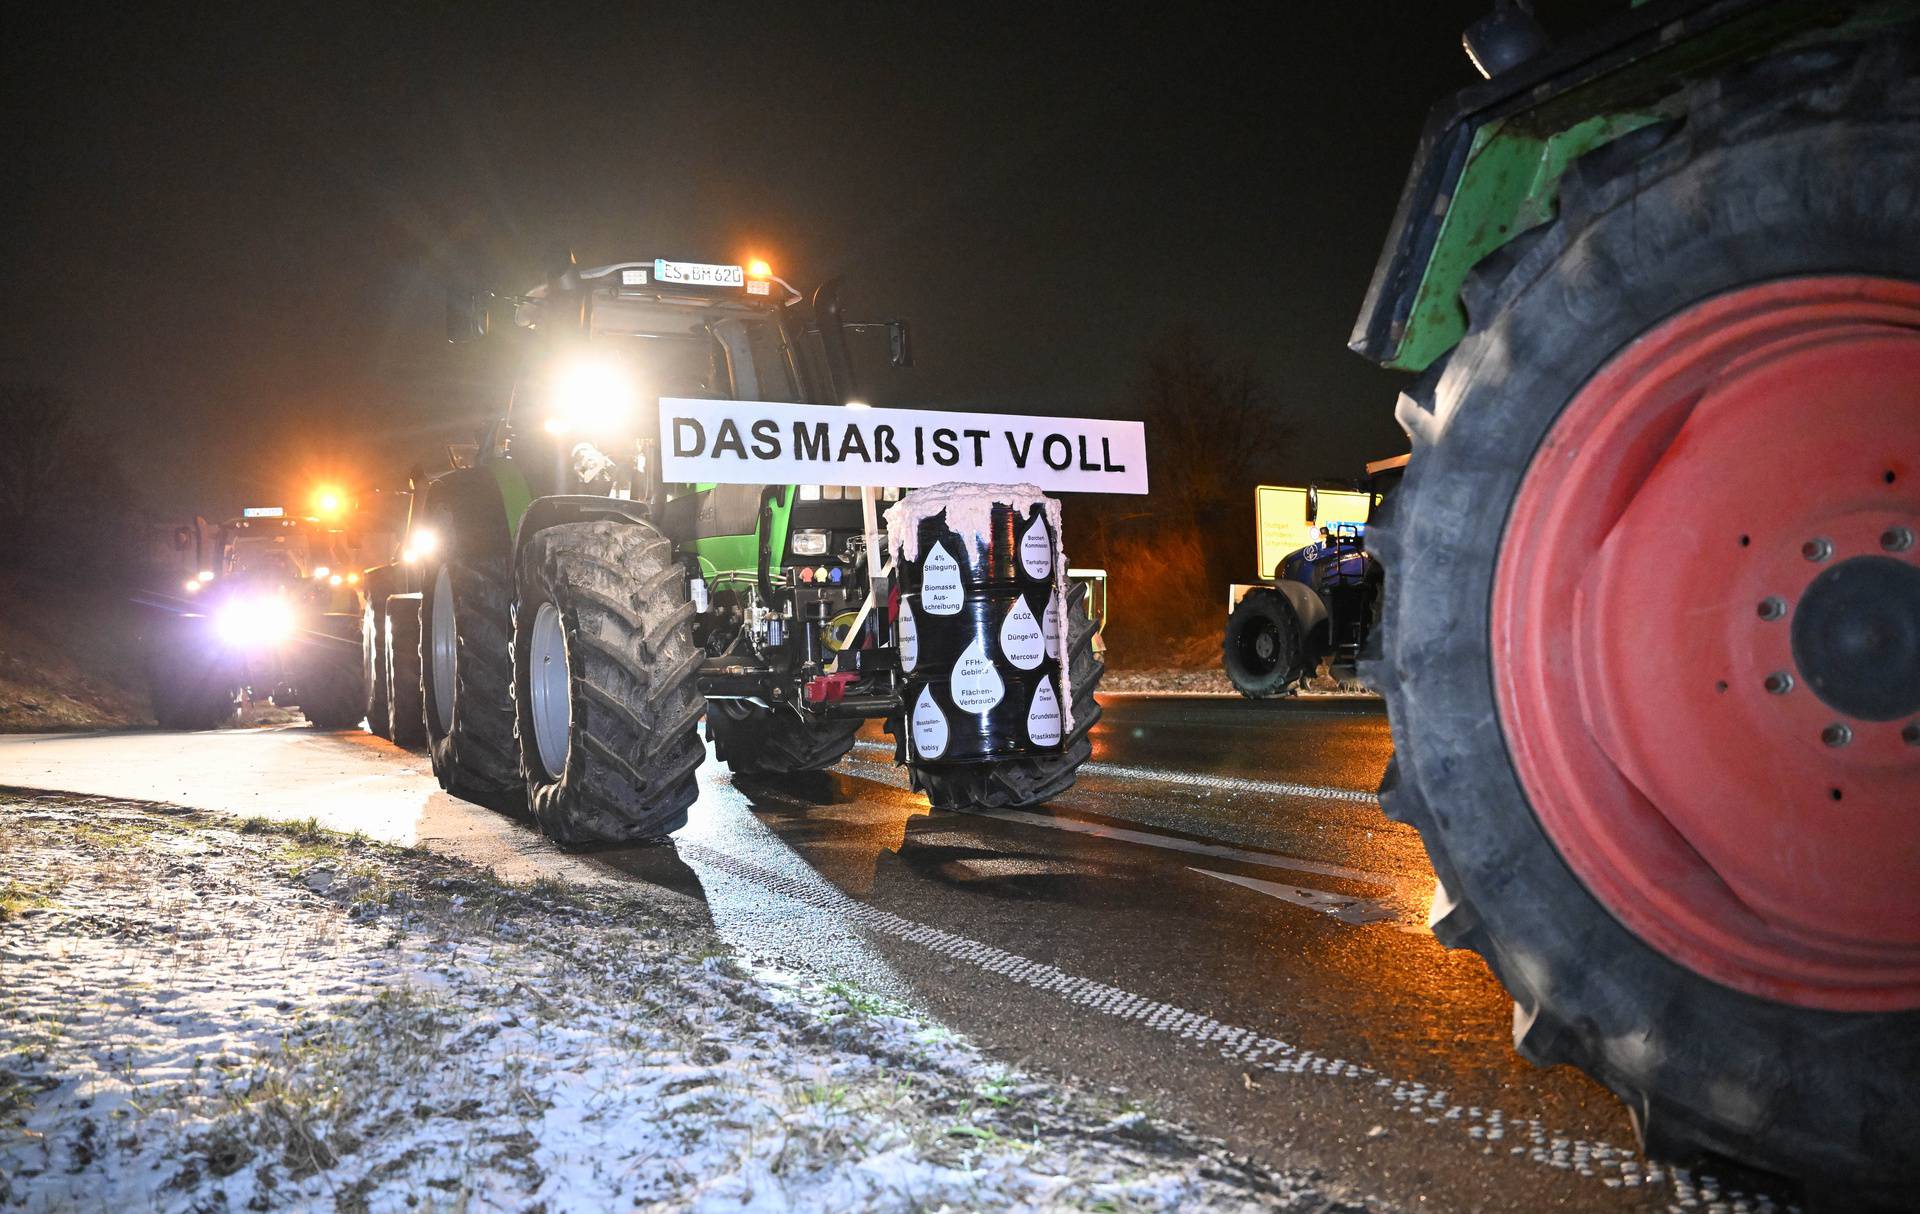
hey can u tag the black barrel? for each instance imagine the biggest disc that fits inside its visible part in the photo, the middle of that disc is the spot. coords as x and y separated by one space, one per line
978 641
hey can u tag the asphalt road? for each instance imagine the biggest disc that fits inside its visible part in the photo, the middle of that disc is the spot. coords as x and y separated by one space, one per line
1217 921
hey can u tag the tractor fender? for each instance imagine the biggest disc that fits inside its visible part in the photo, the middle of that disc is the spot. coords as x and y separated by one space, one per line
471 497
546 512
1306 604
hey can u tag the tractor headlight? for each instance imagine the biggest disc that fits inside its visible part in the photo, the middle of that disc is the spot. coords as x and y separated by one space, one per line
420 542
592 396
254 622
809 543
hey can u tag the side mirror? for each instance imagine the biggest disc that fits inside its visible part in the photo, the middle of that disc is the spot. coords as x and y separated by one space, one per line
469 315
899 344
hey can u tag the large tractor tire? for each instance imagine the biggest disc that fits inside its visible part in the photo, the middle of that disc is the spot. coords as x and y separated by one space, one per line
1680 436
607 713
1035 780
466 621
333 689
1265 649
190 688
406 723
758 741
373 653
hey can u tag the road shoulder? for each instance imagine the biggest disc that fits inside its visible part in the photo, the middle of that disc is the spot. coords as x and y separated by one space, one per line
255 1015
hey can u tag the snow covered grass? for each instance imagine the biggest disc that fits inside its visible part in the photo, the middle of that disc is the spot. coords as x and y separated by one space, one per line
209 1015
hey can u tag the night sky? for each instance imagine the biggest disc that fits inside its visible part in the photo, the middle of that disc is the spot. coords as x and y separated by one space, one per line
227 231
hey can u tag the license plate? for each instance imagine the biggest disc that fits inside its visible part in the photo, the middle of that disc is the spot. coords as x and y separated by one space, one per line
696 274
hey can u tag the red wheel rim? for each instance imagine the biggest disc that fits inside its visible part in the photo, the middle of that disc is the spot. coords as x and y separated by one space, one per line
1663 548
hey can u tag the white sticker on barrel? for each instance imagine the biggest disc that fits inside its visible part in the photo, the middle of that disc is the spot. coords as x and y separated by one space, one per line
940 589
929 726
1043 715
1051 626
908 635
976 684
1020 636
1036 550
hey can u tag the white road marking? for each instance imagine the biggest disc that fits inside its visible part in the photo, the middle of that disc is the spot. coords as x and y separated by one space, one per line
1167 695
1188 779
1242 1047
1314 697
1217 851
1174 843
1339 906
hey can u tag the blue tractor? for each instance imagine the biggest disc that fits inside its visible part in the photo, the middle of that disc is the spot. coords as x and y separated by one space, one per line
1323 599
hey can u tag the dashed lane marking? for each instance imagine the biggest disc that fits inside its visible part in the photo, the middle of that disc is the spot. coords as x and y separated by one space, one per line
1483 1126
1190 779
1193 846
1339 906
1144 838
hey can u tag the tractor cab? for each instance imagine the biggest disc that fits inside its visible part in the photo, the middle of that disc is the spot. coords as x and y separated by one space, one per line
614 339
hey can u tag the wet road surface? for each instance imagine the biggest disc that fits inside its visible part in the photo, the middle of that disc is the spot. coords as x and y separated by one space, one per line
1216 921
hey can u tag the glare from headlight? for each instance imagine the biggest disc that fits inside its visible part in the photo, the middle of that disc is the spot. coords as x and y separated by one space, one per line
252 622
206 575
192 585
421 543
592 396
320 571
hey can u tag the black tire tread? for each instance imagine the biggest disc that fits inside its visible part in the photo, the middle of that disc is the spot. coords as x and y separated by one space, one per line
777 741
1835 1115
333 692
1271 604
476 759
373 641
406 723
187 688
631 770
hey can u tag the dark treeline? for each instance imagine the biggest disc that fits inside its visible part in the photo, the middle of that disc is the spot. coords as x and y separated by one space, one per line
1214 431
67 506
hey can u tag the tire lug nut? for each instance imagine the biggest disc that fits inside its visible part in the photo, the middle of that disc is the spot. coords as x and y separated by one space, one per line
1836 734
1772 607
1896 539
1779 683
1817 549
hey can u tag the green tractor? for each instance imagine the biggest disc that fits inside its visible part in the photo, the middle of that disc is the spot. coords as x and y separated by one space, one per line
1651 643
577 616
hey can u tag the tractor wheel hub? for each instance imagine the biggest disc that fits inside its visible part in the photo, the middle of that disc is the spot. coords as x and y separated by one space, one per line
1856 638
